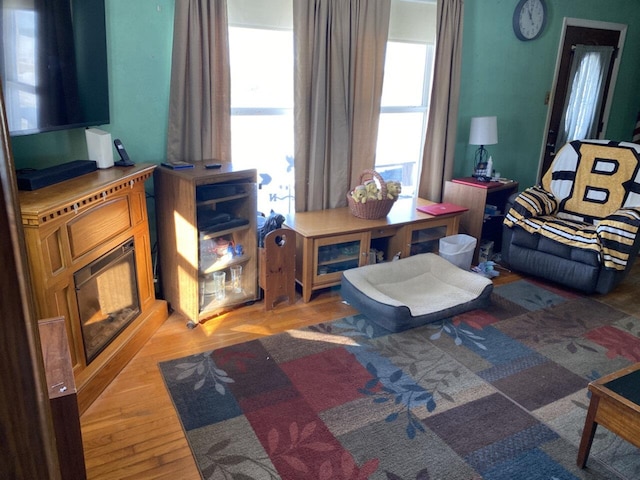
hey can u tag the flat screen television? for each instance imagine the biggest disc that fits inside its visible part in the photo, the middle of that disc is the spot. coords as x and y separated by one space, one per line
54 64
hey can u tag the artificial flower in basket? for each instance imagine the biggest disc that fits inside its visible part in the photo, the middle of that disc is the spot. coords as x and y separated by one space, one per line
373 197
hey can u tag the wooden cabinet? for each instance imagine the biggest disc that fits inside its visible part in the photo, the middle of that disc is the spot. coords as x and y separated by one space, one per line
329 242
206 223
475 195
68 226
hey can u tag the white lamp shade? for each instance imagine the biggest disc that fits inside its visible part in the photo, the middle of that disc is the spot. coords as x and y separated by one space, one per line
483 131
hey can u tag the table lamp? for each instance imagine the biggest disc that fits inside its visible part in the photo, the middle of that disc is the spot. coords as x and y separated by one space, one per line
483 131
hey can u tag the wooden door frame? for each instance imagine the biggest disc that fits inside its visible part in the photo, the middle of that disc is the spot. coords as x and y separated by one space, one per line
30 449
580 22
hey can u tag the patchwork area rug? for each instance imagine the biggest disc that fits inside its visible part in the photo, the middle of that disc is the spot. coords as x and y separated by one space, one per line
499 393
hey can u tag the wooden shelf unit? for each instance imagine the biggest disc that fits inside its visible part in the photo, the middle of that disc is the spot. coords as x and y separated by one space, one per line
476 198
180 195
331 241
71 224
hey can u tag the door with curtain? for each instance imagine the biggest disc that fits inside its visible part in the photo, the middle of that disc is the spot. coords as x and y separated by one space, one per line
584 76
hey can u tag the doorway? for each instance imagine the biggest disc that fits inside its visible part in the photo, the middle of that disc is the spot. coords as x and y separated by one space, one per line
586 69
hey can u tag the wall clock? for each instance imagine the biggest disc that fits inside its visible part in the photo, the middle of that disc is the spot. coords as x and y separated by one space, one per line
529 19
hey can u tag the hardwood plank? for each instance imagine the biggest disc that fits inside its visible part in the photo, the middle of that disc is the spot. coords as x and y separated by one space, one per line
143 465
624 296
174 467
138 446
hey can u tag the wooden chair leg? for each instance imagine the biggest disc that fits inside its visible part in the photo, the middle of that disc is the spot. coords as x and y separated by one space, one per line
588 432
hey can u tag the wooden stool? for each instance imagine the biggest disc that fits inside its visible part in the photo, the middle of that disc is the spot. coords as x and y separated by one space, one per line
615 404
277 266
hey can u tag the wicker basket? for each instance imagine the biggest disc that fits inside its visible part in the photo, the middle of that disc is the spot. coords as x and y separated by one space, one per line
372 209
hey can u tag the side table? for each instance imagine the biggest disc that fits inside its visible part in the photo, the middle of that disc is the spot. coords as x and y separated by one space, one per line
475 195
615 404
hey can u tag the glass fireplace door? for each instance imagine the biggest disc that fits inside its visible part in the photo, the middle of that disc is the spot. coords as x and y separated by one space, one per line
107 295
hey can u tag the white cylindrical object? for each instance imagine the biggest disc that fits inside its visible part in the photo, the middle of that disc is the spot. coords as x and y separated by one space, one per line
236 278
458 249
208 285
219 285
99 147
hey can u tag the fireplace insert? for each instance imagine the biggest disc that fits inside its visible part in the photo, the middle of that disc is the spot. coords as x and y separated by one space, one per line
107 295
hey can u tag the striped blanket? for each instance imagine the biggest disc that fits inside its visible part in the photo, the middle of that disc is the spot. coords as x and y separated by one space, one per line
612 238
589 199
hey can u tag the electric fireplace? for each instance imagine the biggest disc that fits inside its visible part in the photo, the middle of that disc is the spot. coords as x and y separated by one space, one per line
107 295
67 227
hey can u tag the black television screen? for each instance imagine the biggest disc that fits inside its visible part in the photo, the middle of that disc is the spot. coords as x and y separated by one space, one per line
54 64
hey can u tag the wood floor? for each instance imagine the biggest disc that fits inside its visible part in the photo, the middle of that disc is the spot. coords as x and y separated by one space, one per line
132 431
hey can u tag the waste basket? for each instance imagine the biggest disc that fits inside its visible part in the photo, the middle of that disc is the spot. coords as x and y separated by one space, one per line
458 249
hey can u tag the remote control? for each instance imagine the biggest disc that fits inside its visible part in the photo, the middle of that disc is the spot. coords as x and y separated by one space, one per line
124 161
212 165
177 165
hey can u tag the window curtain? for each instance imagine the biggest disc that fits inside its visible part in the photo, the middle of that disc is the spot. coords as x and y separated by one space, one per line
339 58
439 146
200 101
588 74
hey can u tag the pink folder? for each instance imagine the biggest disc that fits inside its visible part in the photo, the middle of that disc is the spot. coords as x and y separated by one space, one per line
441 209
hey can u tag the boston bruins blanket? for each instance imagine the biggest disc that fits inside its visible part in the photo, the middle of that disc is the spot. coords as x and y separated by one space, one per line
589 198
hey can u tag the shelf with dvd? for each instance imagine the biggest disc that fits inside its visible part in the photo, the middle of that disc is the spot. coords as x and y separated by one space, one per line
207 225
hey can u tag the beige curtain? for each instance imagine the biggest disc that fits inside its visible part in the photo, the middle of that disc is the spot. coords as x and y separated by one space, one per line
339 60
439 147
200 101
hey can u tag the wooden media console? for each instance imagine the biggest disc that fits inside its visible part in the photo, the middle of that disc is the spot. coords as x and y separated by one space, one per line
331 241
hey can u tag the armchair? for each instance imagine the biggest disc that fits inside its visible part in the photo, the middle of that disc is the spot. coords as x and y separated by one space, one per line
579 228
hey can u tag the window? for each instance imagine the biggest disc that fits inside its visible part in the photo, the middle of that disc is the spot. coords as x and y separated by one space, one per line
18 30
405 92
261 58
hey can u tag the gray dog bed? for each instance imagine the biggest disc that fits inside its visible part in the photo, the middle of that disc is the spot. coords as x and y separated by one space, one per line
414 291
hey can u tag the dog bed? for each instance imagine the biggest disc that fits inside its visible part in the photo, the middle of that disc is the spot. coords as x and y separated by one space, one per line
414 291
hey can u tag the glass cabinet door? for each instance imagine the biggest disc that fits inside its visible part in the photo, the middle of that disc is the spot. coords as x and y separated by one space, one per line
425 238
227 260
334 255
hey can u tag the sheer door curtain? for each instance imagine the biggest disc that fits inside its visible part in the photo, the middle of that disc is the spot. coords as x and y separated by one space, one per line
581 115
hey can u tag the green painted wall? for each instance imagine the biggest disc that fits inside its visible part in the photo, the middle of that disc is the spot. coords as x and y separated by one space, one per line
139 37
506 77
500 76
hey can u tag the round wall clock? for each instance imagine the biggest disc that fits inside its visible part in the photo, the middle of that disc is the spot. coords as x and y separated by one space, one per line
529 19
